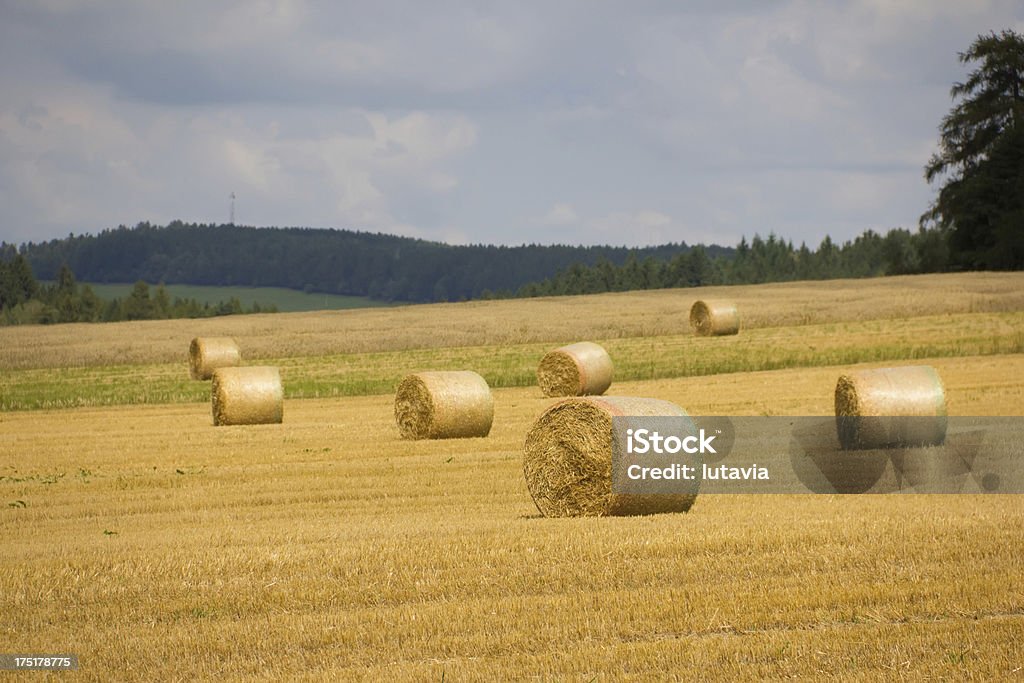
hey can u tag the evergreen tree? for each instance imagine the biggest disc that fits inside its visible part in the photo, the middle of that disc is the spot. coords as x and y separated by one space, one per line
138 305
703 270
605 271
65 297
161 302
900 254
981 157
90 305
17 282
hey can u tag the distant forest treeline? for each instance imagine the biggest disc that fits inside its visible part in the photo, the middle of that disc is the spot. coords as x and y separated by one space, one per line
388 267
898 252
384 267
24 300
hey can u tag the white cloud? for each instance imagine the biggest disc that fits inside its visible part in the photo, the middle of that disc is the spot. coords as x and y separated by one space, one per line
560 214
95 163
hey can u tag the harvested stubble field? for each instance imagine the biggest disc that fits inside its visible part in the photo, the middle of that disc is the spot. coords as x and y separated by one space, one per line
156 546
553 321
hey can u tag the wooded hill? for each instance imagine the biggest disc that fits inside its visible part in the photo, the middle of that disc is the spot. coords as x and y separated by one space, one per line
384 267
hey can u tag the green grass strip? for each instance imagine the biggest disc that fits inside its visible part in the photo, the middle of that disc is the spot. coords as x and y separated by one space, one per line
636 358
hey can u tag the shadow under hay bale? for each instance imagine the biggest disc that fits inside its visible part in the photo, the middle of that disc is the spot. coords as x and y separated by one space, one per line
206 354
714 318
444 405
567 459
247 396
580 369
821 467
889 407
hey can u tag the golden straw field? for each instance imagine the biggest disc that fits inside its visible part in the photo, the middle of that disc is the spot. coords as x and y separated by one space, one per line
155 546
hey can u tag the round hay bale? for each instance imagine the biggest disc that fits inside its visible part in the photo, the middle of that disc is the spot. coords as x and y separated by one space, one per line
444 405
714 318
247 396
578 369
567 459
206 354
904 406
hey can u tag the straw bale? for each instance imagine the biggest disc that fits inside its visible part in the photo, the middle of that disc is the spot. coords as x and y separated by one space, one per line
567 459
580 369
901 406
444 405
714 318
206 354
247 396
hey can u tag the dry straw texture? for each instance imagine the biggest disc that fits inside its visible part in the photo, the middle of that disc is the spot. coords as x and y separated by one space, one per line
578 369
567 460
901 406
247 396
444 405
714 318
206 354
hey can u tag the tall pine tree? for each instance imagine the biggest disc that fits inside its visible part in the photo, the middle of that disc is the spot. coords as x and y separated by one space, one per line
981 158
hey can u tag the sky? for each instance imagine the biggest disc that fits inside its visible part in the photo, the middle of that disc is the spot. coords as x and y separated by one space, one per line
623 123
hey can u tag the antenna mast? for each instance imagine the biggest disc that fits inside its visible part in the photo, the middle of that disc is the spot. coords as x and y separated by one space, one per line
231 221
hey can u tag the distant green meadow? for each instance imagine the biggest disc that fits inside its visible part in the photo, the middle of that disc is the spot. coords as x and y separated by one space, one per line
286 300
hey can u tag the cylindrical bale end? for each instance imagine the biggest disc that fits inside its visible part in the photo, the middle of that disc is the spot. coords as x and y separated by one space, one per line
567 459
580 369
206 354
444 405
247 396
714 318
891 407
